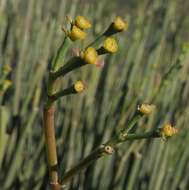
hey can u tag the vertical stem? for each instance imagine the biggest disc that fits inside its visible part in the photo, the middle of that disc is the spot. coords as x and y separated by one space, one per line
50 142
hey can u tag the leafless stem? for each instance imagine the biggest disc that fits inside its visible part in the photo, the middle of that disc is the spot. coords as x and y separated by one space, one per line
50 142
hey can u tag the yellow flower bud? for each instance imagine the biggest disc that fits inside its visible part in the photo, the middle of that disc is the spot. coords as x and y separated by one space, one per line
7 69
82 22
90 55
168 130
110 45
6 84
79 86
146 108
77 34
119 24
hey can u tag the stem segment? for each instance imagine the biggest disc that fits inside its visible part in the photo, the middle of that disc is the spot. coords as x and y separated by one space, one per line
50 142
95 155
107 149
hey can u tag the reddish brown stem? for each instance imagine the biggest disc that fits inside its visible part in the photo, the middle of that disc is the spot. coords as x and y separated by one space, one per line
50 142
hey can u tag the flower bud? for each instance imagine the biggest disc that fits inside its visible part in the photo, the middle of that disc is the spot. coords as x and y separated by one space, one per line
146 109
5 86
79 86
6 69
168 130
110 45
108 149
82 22
119 24
90 55
77 34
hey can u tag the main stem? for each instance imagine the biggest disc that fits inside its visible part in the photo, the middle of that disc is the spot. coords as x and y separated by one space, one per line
50 142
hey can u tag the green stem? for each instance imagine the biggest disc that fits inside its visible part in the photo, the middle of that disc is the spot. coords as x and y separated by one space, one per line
137 136
60 55
109 32
95 155
97 41
72 64
133 122
166 76
102 151
50 142
64 92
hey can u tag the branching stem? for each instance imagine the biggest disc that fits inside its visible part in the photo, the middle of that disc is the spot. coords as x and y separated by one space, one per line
107 149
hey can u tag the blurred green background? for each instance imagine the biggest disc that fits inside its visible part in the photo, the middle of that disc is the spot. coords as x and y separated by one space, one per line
30 33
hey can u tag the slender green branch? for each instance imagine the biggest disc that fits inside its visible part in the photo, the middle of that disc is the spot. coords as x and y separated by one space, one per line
62 93
166 76
107 149
133 121
96 154
108 32
73 63
97 41
60 55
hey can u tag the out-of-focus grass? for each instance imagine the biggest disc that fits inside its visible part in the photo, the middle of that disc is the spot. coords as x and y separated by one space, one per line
29 35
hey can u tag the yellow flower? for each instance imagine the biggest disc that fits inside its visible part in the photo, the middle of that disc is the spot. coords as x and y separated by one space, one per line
82 22
79 86
90 55
77 34
119 24
7 69
110 45
168 130
5 86
146 108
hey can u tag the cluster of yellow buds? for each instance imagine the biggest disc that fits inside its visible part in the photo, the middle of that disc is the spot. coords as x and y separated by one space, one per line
168 131
77 29
146 109
89 55
110 45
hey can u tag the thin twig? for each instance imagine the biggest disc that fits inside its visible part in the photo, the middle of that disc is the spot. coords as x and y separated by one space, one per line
107 149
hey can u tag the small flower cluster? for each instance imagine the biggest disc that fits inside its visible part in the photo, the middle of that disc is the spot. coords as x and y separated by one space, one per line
77 28
167 130
109 44
90 55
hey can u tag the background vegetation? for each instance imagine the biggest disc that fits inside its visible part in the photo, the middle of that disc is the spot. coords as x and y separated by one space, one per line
29 36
